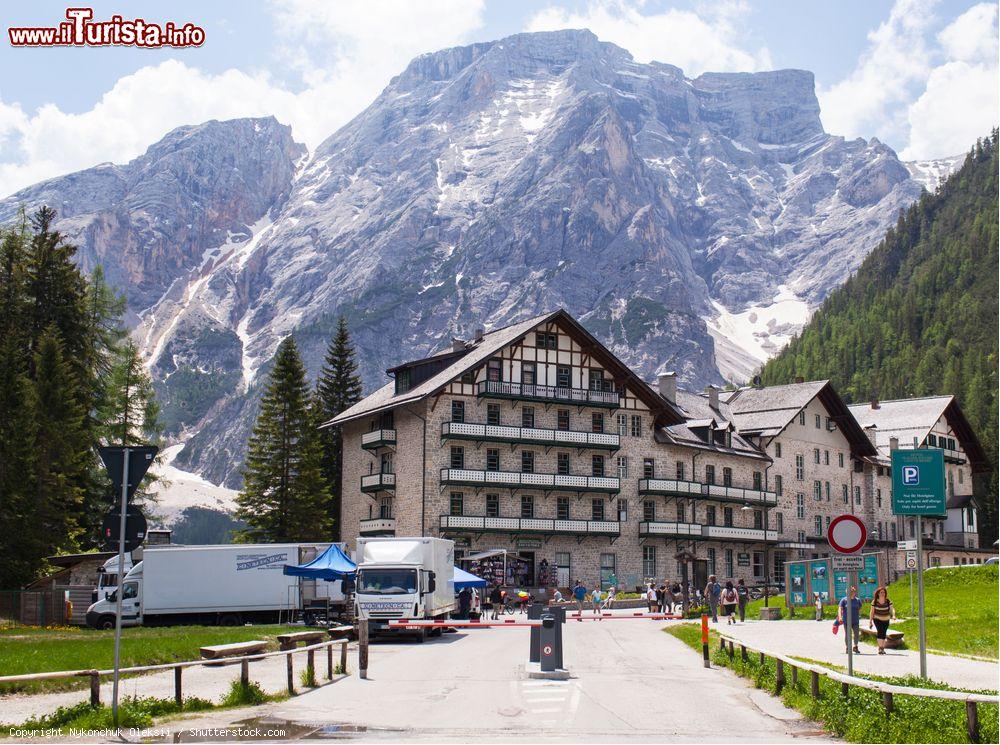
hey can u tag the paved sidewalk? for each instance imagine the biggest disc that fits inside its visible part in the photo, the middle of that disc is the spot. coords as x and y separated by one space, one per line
814 640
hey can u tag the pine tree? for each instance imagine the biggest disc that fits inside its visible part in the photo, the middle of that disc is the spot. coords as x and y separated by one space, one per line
284 497
337 389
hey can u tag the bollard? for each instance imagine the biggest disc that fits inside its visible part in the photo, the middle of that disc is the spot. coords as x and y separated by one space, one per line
547 643
363 650
704 639
560 616
245 672
534 613
291 676
177 685
95 689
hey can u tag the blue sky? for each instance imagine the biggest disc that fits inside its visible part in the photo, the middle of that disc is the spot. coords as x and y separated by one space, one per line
920 75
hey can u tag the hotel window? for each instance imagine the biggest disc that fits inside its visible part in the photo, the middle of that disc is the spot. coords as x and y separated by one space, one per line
649 561
562 420
456 503
879 530
802 417
826 489
402 381
457 456
800 467
819 422
961 476
800 506
623 466
758 480
563 377
562 464
779 485
758 564
777 450
492 459
649 510
758 519
648 468
779 522
712 567
636 425
493 414
710 515
468 378
528 373
802 536
878 497
910 525
727 516
596 379
728 561
817 490
562 508
458 411
857 495
679 470
892 531
527 506
680 512
844 493
816 456
527 461
492 505
493 370
622 425
709 474
840 459
727 476
597 422
818 525
826 457
546 341
623 510
597 465
527 416
597 509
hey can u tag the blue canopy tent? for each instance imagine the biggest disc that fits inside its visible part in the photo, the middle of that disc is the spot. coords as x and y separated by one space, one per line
463 579
331 565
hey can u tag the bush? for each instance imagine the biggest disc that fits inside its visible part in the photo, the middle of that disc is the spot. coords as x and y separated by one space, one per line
239 694
135 712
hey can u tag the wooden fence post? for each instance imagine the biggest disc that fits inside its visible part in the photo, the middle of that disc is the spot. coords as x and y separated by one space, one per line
814 684
887 701
972 721
343 658
845 688
731 651
95 689
329 661
291 676
245 672
722 643
743 652
779 674
178 691
363 650
795 676
311 667
762 659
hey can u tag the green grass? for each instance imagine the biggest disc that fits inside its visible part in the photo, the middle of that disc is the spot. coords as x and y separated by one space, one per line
860 717
41 650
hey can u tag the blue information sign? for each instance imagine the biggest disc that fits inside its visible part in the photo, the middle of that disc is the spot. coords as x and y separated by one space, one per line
918 482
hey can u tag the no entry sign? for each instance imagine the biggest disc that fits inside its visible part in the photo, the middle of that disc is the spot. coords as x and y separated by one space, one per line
847 534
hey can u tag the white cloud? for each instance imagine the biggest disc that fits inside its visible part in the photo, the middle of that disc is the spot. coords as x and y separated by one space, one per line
345 53
931 96
695 42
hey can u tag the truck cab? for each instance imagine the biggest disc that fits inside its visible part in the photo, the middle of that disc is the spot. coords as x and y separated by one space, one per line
107 577
101 615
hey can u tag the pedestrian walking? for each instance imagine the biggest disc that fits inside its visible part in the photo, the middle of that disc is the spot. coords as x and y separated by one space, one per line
881 613
712 592
818 605
496 601
743 597
729 598
651 598
595 599
855 619
678 594
579 594
661 599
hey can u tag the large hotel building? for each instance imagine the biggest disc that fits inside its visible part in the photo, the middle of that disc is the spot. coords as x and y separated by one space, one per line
536 441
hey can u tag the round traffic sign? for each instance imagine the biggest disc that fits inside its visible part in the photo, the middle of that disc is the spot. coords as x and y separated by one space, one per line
547 650
847 534
911 563
135 529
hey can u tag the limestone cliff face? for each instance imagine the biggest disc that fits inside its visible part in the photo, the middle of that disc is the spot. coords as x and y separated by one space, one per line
485 184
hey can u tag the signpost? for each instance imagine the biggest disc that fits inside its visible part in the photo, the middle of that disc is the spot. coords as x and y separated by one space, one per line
918 490
910 547
847 535
126 466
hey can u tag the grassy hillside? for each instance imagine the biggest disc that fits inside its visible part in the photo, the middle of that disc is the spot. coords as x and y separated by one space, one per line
920 316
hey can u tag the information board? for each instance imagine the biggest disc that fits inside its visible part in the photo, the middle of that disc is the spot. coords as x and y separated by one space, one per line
868 578
797 584
819 579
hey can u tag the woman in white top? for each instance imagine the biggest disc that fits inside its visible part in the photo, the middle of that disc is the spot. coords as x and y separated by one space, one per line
609 600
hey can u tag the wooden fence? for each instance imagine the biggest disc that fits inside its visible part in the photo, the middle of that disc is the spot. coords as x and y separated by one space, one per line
178 668
888 691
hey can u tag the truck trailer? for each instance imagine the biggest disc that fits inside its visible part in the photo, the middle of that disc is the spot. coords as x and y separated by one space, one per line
228 585
404 579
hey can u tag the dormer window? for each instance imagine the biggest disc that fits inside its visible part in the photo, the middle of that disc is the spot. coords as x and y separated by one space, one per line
402 380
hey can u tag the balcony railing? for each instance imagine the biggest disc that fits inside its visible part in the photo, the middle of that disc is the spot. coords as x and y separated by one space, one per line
529 435
529 525
378 439
374 482
378 526
673 487
516 479
697 531
532 392
952 456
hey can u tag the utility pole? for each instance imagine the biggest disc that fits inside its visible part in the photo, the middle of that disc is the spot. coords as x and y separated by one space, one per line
121 588
921 624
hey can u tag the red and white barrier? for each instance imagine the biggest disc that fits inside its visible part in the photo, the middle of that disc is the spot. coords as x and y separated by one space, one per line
460 624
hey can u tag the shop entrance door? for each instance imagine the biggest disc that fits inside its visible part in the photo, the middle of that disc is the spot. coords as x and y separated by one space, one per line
700 573
528 578
562 569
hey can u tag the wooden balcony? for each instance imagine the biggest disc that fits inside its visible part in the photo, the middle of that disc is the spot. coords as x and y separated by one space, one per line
380 438
530 436
376 482
545 526
696 489
548 394
540 481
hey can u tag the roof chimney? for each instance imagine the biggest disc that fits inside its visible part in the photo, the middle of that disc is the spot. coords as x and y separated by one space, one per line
893 443
799 379
875 403
479 334
457 345
667 383
870 432
713 397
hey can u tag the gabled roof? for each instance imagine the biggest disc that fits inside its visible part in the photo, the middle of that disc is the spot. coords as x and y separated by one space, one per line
385 398
765 412
699 414
907 418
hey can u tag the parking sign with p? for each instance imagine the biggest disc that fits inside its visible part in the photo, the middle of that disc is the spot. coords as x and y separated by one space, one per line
918 482
911 475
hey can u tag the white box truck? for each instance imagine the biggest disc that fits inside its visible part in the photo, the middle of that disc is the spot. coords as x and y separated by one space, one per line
404 579
227 585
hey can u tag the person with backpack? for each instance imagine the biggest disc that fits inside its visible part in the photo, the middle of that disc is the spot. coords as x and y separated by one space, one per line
496 602
729 598
743 595
712 592
855 613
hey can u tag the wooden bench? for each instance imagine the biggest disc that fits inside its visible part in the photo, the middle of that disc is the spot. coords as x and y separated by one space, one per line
238 649
290 641
893 639
340 632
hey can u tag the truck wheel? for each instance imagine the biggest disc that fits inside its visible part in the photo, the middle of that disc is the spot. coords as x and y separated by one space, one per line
422 635
106 622
230 619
